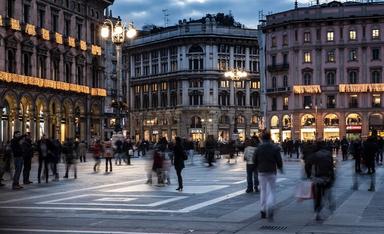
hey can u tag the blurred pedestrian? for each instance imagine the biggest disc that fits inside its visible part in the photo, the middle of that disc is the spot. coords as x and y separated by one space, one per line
56 155
108 154
118 146
210 146
97 150
70 157
26 145
251 169
344 148
43 147
322 176
179 156
370 149
82 151
17 157
267 159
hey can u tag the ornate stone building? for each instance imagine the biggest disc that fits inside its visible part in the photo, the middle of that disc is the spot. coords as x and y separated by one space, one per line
324 71
178 87
51 68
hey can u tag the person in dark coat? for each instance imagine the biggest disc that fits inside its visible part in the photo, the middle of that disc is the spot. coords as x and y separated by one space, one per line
56 153
27 157
43 147
70 158
370 149
210 146
178 161
344 148
17 157
323 177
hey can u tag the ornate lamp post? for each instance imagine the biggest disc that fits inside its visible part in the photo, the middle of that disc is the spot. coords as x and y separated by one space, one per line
118 34
235 75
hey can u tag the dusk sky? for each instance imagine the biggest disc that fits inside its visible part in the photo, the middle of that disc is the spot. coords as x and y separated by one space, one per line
246 12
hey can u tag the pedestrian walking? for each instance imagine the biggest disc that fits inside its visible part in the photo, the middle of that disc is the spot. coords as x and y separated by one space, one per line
70 157
27 149
322 175
43 147
108 154
157 167
251 169
210 146
128 149
344 148
17 157
179 156
2 164
118 151
82 151
97 150
56 155
370 149
267 159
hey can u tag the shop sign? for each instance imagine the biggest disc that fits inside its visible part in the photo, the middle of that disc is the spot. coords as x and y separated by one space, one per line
196 131
354 127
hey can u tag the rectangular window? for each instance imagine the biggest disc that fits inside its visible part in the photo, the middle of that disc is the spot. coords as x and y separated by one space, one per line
285 103
285 58
307 37
331 101
26 13
352 35
307 57
255 85
353 101
330 36
376 54
41 18
10 8
331 56
353 55
274 104
376 100
375 34
224 84
273 60
274 42
285 40
318 34
67 27
307 102
79 29
296 37
55 23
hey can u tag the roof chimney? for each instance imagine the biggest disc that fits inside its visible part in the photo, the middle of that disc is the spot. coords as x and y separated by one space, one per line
296 5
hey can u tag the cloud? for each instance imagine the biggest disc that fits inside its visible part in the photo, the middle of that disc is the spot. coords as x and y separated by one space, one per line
151 11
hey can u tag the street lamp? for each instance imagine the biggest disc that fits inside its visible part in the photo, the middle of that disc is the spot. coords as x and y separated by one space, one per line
118 34
235 75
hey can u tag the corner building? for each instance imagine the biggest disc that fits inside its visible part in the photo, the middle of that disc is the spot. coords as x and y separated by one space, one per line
324 71
177 83
51 68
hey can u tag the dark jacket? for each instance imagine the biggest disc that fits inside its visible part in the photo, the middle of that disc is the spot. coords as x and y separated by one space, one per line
178 160
16 147
370 148
267 158
27 149
322 164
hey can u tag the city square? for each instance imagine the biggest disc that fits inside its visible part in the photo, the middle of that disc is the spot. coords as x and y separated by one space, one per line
207 116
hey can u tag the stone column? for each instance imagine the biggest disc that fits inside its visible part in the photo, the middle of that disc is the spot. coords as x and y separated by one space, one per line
206 85
247 68
32 122
231 93
231 57
247 93
185 100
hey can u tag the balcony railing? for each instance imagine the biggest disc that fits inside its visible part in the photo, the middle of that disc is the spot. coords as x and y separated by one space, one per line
278 67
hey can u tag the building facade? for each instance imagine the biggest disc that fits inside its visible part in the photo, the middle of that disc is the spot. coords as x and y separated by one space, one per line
51 68
324 71
177 83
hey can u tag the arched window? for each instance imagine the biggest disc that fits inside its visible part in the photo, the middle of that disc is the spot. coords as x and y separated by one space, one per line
196 58
353 119
196 122
240 119
287 123
240 98
274 82
55 75
308 120
254 119
331 120
255 99
26 64
353 77
224 98
307 79
376 77
274 122
285 81
41 67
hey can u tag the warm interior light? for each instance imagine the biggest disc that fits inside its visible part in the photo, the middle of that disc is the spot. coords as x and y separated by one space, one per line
131 33
118 29
104 32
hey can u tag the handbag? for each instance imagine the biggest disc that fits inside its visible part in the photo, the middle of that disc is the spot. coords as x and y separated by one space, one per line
304 190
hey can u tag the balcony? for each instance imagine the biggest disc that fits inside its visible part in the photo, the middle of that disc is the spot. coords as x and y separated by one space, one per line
278 67
279 90
353 105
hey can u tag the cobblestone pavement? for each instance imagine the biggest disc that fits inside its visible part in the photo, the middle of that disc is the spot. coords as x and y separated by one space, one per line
213 201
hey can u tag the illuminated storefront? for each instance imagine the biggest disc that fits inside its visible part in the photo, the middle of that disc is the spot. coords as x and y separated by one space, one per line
353 126
331 127
275 131
308 128
287 128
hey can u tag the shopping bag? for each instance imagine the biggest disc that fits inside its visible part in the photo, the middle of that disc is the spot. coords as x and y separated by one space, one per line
304 190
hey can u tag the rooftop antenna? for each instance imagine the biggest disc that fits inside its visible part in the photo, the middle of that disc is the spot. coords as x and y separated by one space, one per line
166 19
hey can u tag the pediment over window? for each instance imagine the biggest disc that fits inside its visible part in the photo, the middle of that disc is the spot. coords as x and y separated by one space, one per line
28 46
11 42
